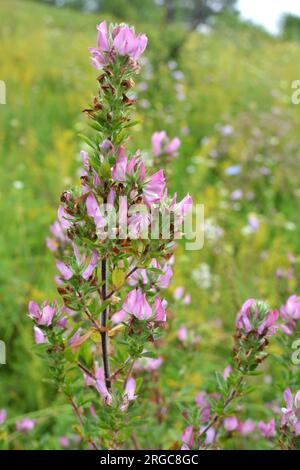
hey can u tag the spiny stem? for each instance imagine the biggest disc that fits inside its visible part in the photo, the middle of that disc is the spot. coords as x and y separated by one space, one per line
77 412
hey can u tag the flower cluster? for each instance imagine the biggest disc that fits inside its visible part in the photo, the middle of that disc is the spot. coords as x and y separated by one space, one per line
255 323
290 420
162 145
118 40
290 313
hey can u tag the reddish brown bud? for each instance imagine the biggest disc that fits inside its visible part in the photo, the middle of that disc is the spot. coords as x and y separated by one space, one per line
127 100
66 196
127 84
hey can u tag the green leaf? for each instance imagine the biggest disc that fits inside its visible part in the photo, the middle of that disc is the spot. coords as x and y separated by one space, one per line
131 124
120 137
105 171
88 141
150 354
96 125
68 353
118 277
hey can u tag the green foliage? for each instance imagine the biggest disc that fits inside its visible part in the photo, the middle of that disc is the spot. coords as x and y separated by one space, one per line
290 27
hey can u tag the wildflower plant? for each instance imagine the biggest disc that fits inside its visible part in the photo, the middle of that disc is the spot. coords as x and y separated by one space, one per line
213 418
110 271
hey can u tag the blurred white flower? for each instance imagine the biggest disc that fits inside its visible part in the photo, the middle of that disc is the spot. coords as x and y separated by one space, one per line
202 276
18 184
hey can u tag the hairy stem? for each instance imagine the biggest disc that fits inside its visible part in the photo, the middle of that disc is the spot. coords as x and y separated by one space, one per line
232 395
104 338
77 412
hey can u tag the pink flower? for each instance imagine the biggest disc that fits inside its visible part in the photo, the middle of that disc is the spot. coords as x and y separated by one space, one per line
64 270
164 280
96 179
201 399
101 386
288 329
161 144
173 146
124 168
99 383
136 304
182 334
154 189
119 170
93 210
157 139
242 321
231 423
98 60
121 41
91 266
136 166
267 429
202 402
57 231
187 438
152 364
291 412
111 198
290 312
178 293
129 394
227 371
246 427
130 389
182 209
64 441
43 316
75 338
126 43
210 435
85 159
246 307
257 317
39 336
59 236
103 391
106 147
3 415
267 327
138 225
297 429
140 275
147 363
51 245
64 218
93 411
99 54
102 37
25 425
160 310
119 317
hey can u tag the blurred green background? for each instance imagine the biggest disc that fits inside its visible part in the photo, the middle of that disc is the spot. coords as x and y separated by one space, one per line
224 88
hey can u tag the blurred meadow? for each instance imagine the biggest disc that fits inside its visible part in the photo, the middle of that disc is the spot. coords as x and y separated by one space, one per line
226 93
